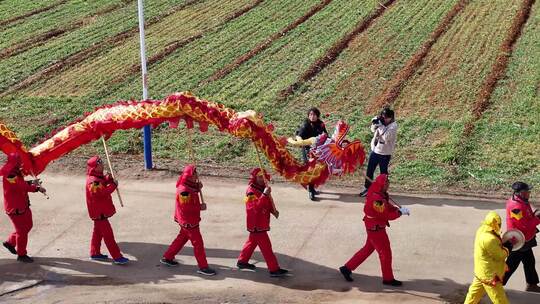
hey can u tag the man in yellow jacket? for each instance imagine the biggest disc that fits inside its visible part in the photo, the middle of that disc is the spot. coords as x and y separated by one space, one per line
489 262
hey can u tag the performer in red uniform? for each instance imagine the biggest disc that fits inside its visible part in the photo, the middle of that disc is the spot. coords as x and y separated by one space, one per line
17 206
259 206
188 215
520 216
99 188
378 211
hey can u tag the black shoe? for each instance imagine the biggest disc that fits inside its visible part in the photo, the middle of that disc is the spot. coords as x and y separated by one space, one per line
311 196
279 273
363 193
10 247
246 266
99 257
207 271
532 288
394 282
346 273
120 261
25 259
170 263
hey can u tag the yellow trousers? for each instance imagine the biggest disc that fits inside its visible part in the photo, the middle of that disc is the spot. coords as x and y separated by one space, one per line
477 290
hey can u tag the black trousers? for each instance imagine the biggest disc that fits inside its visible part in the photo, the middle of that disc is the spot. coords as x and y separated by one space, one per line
527 258
376 160
305 153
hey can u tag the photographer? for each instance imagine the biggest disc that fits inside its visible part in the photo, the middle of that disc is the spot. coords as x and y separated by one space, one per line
384 130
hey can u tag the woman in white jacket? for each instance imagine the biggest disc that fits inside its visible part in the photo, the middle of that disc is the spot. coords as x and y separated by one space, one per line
384 130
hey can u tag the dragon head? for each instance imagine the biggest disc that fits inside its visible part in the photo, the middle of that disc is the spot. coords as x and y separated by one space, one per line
340 131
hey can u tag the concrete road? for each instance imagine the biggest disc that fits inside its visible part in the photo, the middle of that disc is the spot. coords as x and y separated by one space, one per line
432 249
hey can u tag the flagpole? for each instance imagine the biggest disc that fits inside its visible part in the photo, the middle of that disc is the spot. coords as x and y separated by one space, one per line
147 132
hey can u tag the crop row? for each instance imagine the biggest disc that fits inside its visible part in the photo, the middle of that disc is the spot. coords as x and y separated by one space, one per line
185 68
287 59
440 96
12 12
506 139
22 66
336 49
447 84
69 16
97 74
348 86
265 44
397 83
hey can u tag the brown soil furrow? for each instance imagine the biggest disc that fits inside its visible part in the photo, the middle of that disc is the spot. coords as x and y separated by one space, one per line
498 69
265 44
89 52
172 47
136 68
332 54
394 89
41 39
32 13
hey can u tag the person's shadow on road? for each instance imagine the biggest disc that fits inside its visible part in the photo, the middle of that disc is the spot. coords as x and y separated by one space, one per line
307 276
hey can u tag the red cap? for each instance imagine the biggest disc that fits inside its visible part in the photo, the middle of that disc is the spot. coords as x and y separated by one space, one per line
13 162
257 171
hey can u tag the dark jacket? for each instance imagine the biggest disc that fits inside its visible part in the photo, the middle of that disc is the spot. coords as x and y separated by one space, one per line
309 129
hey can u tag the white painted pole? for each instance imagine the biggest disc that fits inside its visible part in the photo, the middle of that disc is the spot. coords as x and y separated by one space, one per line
143 49
147 132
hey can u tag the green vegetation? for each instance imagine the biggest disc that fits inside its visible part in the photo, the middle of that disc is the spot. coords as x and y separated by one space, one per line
17 68
63 16
184 69
98 74
432 108
446 86
13 9
507 139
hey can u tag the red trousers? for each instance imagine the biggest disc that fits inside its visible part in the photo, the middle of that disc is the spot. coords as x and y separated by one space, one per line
103 231
23 225
376 240
193 235
262 240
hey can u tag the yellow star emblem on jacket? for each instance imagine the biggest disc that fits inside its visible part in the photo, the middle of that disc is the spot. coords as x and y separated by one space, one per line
516 214
378 206
249 198
95 186
183 197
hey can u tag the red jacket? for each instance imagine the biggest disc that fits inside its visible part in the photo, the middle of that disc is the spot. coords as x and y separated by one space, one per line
258 207
378 211
98 194
188 206
16 200
519 215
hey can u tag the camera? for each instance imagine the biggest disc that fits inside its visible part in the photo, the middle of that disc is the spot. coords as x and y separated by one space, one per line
377 120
